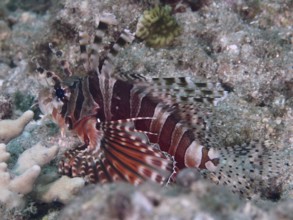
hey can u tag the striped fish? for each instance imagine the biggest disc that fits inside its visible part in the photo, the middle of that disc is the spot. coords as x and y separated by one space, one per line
133 128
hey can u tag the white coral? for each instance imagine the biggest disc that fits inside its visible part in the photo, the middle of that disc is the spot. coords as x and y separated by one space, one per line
4 156
14 184
36 155
12 188
62 190
10 129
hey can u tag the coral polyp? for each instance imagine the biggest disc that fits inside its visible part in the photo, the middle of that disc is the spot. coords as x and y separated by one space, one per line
158 27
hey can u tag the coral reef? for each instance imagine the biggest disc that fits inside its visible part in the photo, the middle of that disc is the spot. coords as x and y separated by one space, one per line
23 101
249 49
157 26
5 107
18 182
62 190
183 5
36 155
199 199
10 129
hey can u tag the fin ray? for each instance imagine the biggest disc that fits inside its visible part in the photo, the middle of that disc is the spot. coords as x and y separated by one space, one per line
130 151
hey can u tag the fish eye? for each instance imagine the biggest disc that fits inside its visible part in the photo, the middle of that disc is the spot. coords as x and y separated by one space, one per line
40 70
60 93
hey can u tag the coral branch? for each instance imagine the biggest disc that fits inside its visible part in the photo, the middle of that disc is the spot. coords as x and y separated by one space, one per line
4 156
62 190
13 187
10 129
36 155
24 183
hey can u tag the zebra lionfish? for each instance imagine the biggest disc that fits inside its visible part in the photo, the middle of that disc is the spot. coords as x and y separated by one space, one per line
135 128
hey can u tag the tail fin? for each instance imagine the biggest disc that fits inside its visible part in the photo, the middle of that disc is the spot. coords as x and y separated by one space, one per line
252 169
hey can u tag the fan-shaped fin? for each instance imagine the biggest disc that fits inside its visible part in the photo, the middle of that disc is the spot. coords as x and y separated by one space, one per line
129 154
125 155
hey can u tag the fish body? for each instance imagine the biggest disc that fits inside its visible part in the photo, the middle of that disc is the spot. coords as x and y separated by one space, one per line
112 115
139 129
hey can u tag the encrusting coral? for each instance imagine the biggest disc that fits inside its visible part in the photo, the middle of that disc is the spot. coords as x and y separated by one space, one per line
10 129
157 26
